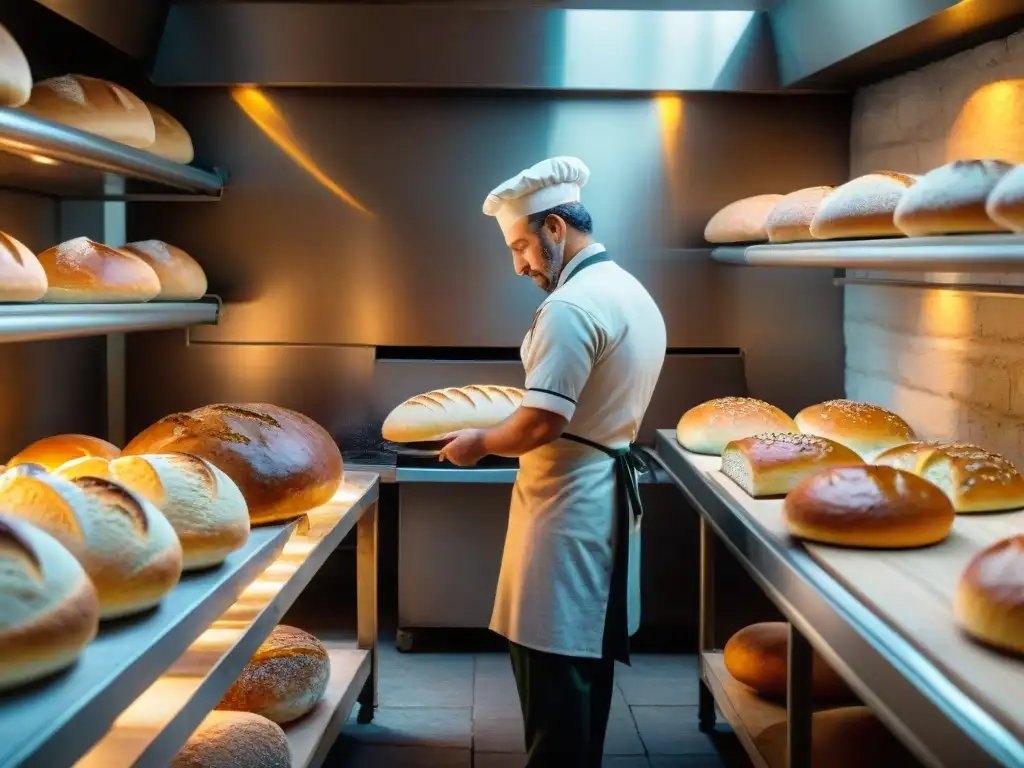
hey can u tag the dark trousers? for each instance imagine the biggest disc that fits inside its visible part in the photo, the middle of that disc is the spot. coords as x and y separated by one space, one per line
566 702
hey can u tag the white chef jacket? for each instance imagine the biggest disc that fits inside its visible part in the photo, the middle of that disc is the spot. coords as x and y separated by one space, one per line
593 355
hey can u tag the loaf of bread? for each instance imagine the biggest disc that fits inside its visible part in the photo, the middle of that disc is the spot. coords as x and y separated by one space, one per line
284 679
202 504
911 457
15 75
181 277
94 106
742 221
951 199
1005 206
433 415
83 271
868 506
172 140
123 542
49 610
773 464
863 207
712 425
757 656
284 463
862 427
975 480
790 219
234 740
22 277
989 602
51 452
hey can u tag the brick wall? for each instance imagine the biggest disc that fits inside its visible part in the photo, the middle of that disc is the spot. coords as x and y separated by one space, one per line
951 363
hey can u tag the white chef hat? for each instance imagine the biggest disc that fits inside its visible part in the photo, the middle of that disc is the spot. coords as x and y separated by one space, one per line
551 182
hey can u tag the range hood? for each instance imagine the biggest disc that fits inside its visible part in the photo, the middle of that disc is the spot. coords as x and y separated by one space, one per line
131 26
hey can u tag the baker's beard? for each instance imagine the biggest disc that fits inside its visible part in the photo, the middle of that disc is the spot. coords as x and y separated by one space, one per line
553 256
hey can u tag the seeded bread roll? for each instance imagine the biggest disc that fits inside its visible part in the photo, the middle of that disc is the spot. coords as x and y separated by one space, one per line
432 415
15 75
123 542
975 480
742 221
866 429
172 140
709 427
773 464
868 506
22 277
790 219
235 740
911 457
1005 206
989 603
863 207
181 277
84 271
951 199
51 452
49 610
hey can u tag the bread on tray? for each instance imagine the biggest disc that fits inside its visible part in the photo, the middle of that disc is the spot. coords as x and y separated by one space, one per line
773 464
51 452
172 141
84 271
181 277
911 457
862 207
975 480
707 428
742 221
22 277
790 219
989 602
235 740
15 74
862 427
432 415
1005 205
951 199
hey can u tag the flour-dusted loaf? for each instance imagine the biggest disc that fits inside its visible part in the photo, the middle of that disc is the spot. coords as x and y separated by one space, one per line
862 427
84 271
868 506
773 464
975 480
235 740
742 221
15 74
124 543
181 277
911 457
790 219
51 452
433 415
862 207
989 603
49 610
951 199
202 504
172 140
709 427
284 463
1005 205
284 679
94 106
22 277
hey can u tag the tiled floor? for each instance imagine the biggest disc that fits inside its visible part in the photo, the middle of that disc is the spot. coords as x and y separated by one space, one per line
461 711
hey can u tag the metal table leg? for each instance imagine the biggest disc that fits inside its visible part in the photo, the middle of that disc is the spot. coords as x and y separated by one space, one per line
799 701
706 700
366 579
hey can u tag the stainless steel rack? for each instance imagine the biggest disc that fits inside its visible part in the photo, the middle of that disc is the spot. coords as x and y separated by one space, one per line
36 322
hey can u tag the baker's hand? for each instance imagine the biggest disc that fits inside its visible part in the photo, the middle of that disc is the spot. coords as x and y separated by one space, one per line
464 448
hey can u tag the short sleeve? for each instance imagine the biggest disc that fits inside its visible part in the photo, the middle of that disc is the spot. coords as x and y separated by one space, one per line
564 346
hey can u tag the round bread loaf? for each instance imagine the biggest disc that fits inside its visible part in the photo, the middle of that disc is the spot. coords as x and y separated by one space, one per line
83 271
172 140
864 428
15 75
710 426
284 679
94 106
989 603
862 207
757 656
975 480
742 221
911 457
951 199
790 219
51 452
235 740
22 277
433 415
49 610
202 504
123 542
181 277
284 463
1005 206
868 506
773 464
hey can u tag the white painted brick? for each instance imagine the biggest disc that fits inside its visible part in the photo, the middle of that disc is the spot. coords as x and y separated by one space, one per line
930 155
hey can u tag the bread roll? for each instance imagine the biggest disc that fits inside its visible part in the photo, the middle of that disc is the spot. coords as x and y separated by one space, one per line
712 425
1005 206
975 480
772 464
862 208
951 199
742 221
757 656
125 544
94 106
911 457
49 610
83 271
433 415
234 740
989 603
790 219
172 140
867 506
284 679
51 452
862 427
22 277
15 75
202 504
181 277
284 463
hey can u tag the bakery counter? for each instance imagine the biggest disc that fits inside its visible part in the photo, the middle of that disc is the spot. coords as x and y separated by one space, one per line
881 619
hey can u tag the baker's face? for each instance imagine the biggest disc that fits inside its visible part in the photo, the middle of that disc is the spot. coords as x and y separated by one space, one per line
538 252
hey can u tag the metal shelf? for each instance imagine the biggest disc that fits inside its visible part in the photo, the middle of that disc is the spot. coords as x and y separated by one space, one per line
37 322
495 476
959 253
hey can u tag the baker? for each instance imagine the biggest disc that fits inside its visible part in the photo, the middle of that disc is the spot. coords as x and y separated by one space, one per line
568 595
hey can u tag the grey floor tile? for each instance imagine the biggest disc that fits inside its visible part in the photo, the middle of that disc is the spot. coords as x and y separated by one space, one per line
672 731
426 680
659 680
355 755
415 726
498 733
687 761
622 737
494 760
494 687
614 761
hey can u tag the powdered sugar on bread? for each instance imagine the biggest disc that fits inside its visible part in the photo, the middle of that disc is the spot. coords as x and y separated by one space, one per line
951 199
862 207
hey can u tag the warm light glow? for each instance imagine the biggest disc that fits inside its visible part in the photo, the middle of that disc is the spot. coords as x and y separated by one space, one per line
266 116
990 124
670 122
43 160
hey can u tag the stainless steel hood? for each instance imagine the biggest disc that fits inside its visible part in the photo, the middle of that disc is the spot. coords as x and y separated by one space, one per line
132 26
